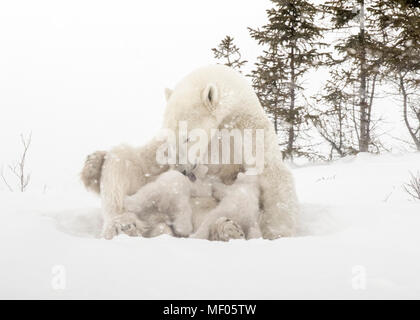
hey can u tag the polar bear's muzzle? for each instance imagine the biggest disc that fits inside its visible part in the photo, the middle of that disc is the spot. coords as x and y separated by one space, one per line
190 175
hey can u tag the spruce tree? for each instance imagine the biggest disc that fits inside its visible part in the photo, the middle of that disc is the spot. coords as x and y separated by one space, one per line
332 116
229 54
361 56
291 47
400 21
271 86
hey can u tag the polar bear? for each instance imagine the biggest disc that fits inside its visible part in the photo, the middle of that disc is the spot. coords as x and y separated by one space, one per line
115 174
164 206
217 97
239 204
122 172
212 97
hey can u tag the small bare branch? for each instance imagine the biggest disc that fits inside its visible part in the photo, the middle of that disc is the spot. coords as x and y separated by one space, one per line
18 169
5 181
413 186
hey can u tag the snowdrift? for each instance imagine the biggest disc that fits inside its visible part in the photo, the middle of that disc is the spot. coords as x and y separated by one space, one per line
358 238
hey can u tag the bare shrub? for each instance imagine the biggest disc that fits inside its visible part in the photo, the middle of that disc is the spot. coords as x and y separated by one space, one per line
18 169
412 187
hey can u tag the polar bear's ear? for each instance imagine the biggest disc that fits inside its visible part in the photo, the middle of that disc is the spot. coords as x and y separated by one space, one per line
210 97
168 93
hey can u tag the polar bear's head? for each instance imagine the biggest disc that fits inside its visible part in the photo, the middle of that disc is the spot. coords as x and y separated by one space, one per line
205 97
196 105
201 102
208 99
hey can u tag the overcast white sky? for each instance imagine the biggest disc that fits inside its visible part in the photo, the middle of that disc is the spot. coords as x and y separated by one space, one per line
83 75
67 58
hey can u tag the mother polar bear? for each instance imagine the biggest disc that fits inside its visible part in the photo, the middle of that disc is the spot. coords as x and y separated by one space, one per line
213 97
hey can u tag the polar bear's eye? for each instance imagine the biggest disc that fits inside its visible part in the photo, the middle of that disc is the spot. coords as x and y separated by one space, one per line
210 96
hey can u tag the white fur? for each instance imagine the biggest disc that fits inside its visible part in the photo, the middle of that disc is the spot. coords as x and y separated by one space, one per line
124 171
164 201
167 202
216 97
209 98
239 203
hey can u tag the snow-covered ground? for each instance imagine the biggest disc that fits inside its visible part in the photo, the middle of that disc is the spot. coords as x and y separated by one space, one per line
89 74
359 238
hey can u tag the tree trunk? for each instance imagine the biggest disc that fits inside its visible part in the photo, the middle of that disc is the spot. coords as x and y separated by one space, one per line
291 119
340 128
276 129
364 136
405 113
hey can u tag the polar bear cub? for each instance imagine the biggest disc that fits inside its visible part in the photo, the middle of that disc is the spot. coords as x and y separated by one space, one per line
164 206
237 211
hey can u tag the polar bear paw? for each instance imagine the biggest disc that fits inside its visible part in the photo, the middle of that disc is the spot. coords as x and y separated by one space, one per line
127 223
280 232
225 229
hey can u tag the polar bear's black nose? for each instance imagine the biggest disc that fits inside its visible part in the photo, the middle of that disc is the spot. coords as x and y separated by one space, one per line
184 172
192 177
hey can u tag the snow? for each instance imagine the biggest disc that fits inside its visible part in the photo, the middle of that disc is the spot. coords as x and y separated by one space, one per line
90 75
356 221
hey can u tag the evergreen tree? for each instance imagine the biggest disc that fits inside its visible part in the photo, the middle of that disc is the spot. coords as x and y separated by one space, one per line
361 56
229 53
291 47
270 84
400 22
332 115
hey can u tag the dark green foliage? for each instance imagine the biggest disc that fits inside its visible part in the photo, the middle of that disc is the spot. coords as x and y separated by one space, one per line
359 54
291 48
229 53
400 22
372 44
